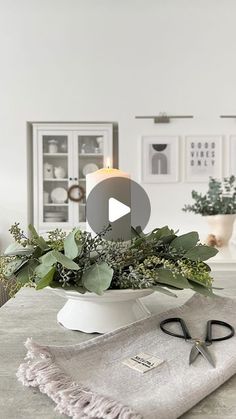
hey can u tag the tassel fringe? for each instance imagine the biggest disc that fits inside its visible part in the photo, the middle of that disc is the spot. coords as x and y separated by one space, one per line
72 399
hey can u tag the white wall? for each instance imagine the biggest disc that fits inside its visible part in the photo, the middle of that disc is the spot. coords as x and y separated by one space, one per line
85 60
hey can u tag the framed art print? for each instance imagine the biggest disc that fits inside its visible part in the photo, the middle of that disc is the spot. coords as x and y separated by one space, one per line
232 159
160 159
203 157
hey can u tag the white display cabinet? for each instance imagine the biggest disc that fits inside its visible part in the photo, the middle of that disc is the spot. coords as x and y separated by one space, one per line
63 155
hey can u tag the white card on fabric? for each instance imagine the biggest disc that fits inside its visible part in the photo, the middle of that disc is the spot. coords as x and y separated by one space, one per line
143 362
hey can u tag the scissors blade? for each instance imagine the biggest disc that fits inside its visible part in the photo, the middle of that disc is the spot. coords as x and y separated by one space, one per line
202 348
193 354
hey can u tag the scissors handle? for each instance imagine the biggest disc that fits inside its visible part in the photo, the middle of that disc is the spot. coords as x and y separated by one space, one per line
210 323
186 335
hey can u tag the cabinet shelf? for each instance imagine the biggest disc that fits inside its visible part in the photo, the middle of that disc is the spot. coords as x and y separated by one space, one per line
55 154
51 204
56 180
90 155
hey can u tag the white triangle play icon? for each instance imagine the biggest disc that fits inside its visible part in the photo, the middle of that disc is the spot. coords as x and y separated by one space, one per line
117 209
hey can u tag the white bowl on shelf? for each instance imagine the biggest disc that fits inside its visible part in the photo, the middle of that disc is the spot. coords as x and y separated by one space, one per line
91 313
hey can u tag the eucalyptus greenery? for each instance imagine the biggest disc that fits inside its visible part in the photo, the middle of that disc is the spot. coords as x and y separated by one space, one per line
219 199
160 260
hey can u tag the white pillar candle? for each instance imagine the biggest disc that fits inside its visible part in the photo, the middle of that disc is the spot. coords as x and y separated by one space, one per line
121 191
94 178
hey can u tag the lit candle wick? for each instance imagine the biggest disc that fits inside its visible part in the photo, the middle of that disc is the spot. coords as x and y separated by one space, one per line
108 163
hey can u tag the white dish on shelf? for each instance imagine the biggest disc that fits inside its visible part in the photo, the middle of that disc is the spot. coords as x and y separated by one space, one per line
62 214
54 218
51 220
53 214
59 195
57 219
89 168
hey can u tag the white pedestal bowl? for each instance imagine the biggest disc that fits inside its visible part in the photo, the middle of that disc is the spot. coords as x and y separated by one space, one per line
91 313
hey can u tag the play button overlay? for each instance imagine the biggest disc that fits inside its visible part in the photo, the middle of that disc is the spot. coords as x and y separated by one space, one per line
120 204
117 210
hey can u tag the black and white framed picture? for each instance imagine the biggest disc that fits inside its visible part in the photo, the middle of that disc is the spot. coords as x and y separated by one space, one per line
203 157
232 159
160 159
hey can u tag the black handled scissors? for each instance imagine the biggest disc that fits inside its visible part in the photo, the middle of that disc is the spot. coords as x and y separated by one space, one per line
199 346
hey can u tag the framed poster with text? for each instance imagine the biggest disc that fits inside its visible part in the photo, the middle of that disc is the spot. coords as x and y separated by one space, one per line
203 157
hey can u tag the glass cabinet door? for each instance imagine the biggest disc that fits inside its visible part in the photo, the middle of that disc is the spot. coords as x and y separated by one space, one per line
92 149
54 208
63 155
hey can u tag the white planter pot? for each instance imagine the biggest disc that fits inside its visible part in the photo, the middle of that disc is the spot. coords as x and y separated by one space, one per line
221 226
91 313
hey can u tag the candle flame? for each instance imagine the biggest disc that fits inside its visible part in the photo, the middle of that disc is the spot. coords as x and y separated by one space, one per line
108 163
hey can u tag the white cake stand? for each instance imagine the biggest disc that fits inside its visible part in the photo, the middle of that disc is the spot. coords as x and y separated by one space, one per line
91 313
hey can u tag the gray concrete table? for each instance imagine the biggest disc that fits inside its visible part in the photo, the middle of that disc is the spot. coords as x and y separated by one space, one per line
33 314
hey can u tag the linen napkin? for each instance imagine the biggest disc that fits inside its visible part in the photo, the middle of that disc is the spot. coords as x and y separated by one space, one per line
93 380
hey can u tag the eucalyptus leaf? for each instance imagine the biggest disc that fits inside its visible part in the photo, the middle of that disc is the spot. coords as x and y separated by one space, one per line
165 234
201 289
15 249
137 241
168 239
13 266
65 261
160 233
201 252
38 239
46 279
197 281
165 276
26 271
48 259
23 275
41 270
98 278
186 241
37 252
72 248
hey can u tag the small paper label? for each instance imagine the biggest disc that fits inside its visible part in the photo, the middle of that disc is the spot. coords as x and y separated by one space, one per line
143 362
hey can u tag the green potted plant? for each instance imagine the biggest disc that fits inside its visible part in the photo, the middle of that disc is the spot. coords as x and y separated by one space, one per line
218 205
103 280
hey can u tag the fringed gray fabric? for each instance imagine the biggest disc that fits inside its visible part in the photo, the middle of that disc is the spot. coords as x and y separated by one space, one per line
90 381
72 399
